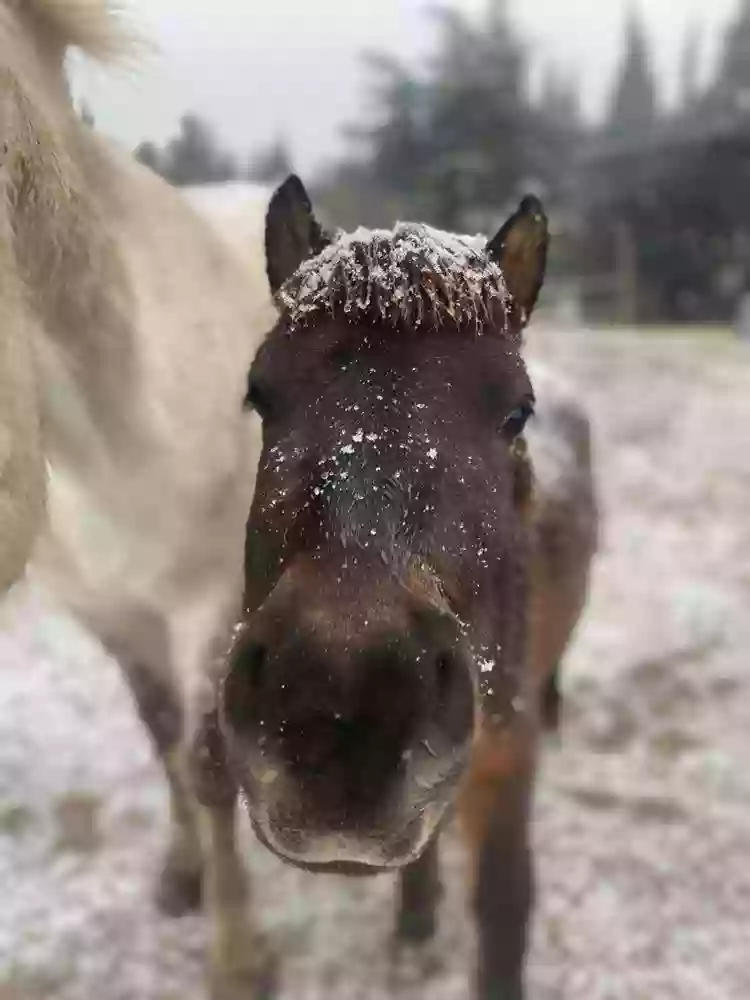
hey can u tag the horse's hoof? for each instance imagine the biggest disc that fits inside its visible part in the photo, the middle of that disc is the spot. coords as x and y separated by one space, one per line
412 962
499 988
179 892
257 980
415 928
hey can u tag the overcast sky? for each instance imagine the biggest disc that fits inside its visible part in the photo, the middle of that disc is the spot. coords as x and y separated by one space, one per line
258 68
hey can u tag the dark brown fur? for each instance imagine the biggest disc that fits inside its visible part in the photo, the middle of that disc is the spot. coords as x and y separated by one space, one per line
384 668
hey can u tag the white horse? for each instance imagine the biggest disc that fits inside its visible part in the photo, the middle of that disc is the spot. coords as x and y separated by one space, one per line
129 321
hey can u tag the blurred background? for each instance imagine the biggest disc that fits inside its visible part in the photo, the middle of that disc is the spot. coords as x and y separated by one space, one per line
633 122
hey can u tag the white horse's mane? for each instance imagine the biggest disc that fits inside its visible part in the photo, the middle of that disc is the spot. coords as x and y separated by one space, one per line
97 27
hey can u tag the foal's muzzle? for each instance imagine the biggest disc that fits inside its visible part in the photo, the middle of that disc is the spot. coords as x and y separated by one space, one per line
348 729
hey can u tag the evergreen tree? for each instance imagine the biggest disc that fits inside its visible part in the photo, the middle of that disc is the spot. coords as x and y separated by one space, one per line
193 156
396 145
480 114
556 131
225 168
558 97
190 156
453 141
689 67
271 165
733 79
148 154
634 105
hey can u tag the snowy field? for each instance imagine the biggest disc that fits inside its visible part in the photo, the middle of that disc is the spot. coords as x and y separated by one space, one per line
643 814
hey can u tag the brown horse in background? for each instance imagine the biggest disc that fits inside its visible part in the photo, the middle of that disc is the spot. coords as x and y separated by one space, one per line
407 596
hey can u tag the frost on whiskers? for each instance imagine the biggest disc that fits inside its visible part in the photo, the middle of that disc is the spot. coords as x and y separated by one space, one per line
408 276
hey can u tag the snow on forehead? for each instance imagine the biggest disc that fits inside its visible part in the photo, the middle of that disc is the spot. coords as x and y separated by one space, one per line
437 244
407 273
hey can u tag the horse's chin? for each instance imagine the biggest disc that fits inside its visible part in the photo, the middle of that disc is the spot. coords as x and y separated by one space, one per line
339 855
341 866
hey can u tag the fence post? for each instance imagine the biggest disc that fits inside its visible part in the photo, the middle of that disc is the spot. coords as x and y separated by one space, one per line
626 271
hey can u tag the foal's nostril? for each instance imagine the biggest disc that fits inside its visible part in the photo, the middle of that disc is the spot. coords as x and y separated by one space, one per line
450 675
444 669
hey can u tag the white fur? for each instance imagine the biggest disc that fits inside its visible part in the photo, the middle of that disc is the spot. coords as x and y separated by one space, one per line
157 533
144 325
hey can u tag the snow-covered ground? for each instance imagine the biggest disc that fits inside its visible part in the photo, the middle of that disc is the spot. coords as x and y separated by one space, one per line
643 817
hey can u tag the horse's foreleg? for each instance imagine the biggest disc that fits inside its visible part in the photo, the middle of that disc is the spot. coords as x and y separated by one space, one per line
243 965
419 893
494 809
179 887
551 701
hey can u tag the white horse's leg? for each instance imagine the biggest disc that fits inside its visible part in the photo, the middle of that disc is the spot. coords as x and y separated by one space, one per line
243 965
202 859
139 639
180 882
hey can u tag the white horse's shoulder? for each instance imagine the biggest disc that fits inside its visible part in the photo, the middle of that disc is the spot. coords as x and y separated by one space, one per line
162 505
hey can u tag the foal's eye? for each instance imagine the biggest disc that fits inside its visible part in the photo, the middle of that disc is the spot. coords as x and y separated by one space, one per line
516 421
256 398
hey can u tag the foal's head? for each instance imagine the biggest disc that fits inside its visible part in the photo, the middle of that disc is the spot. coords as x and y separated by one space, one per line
385 557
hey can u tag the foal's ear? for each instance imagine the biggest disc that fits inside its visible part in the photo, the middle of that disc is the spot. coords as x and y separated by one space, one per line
292 232
520 249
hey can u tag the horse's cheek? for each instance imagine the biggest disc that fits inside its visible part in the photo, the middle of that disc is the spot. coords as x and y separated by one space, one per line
263 558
